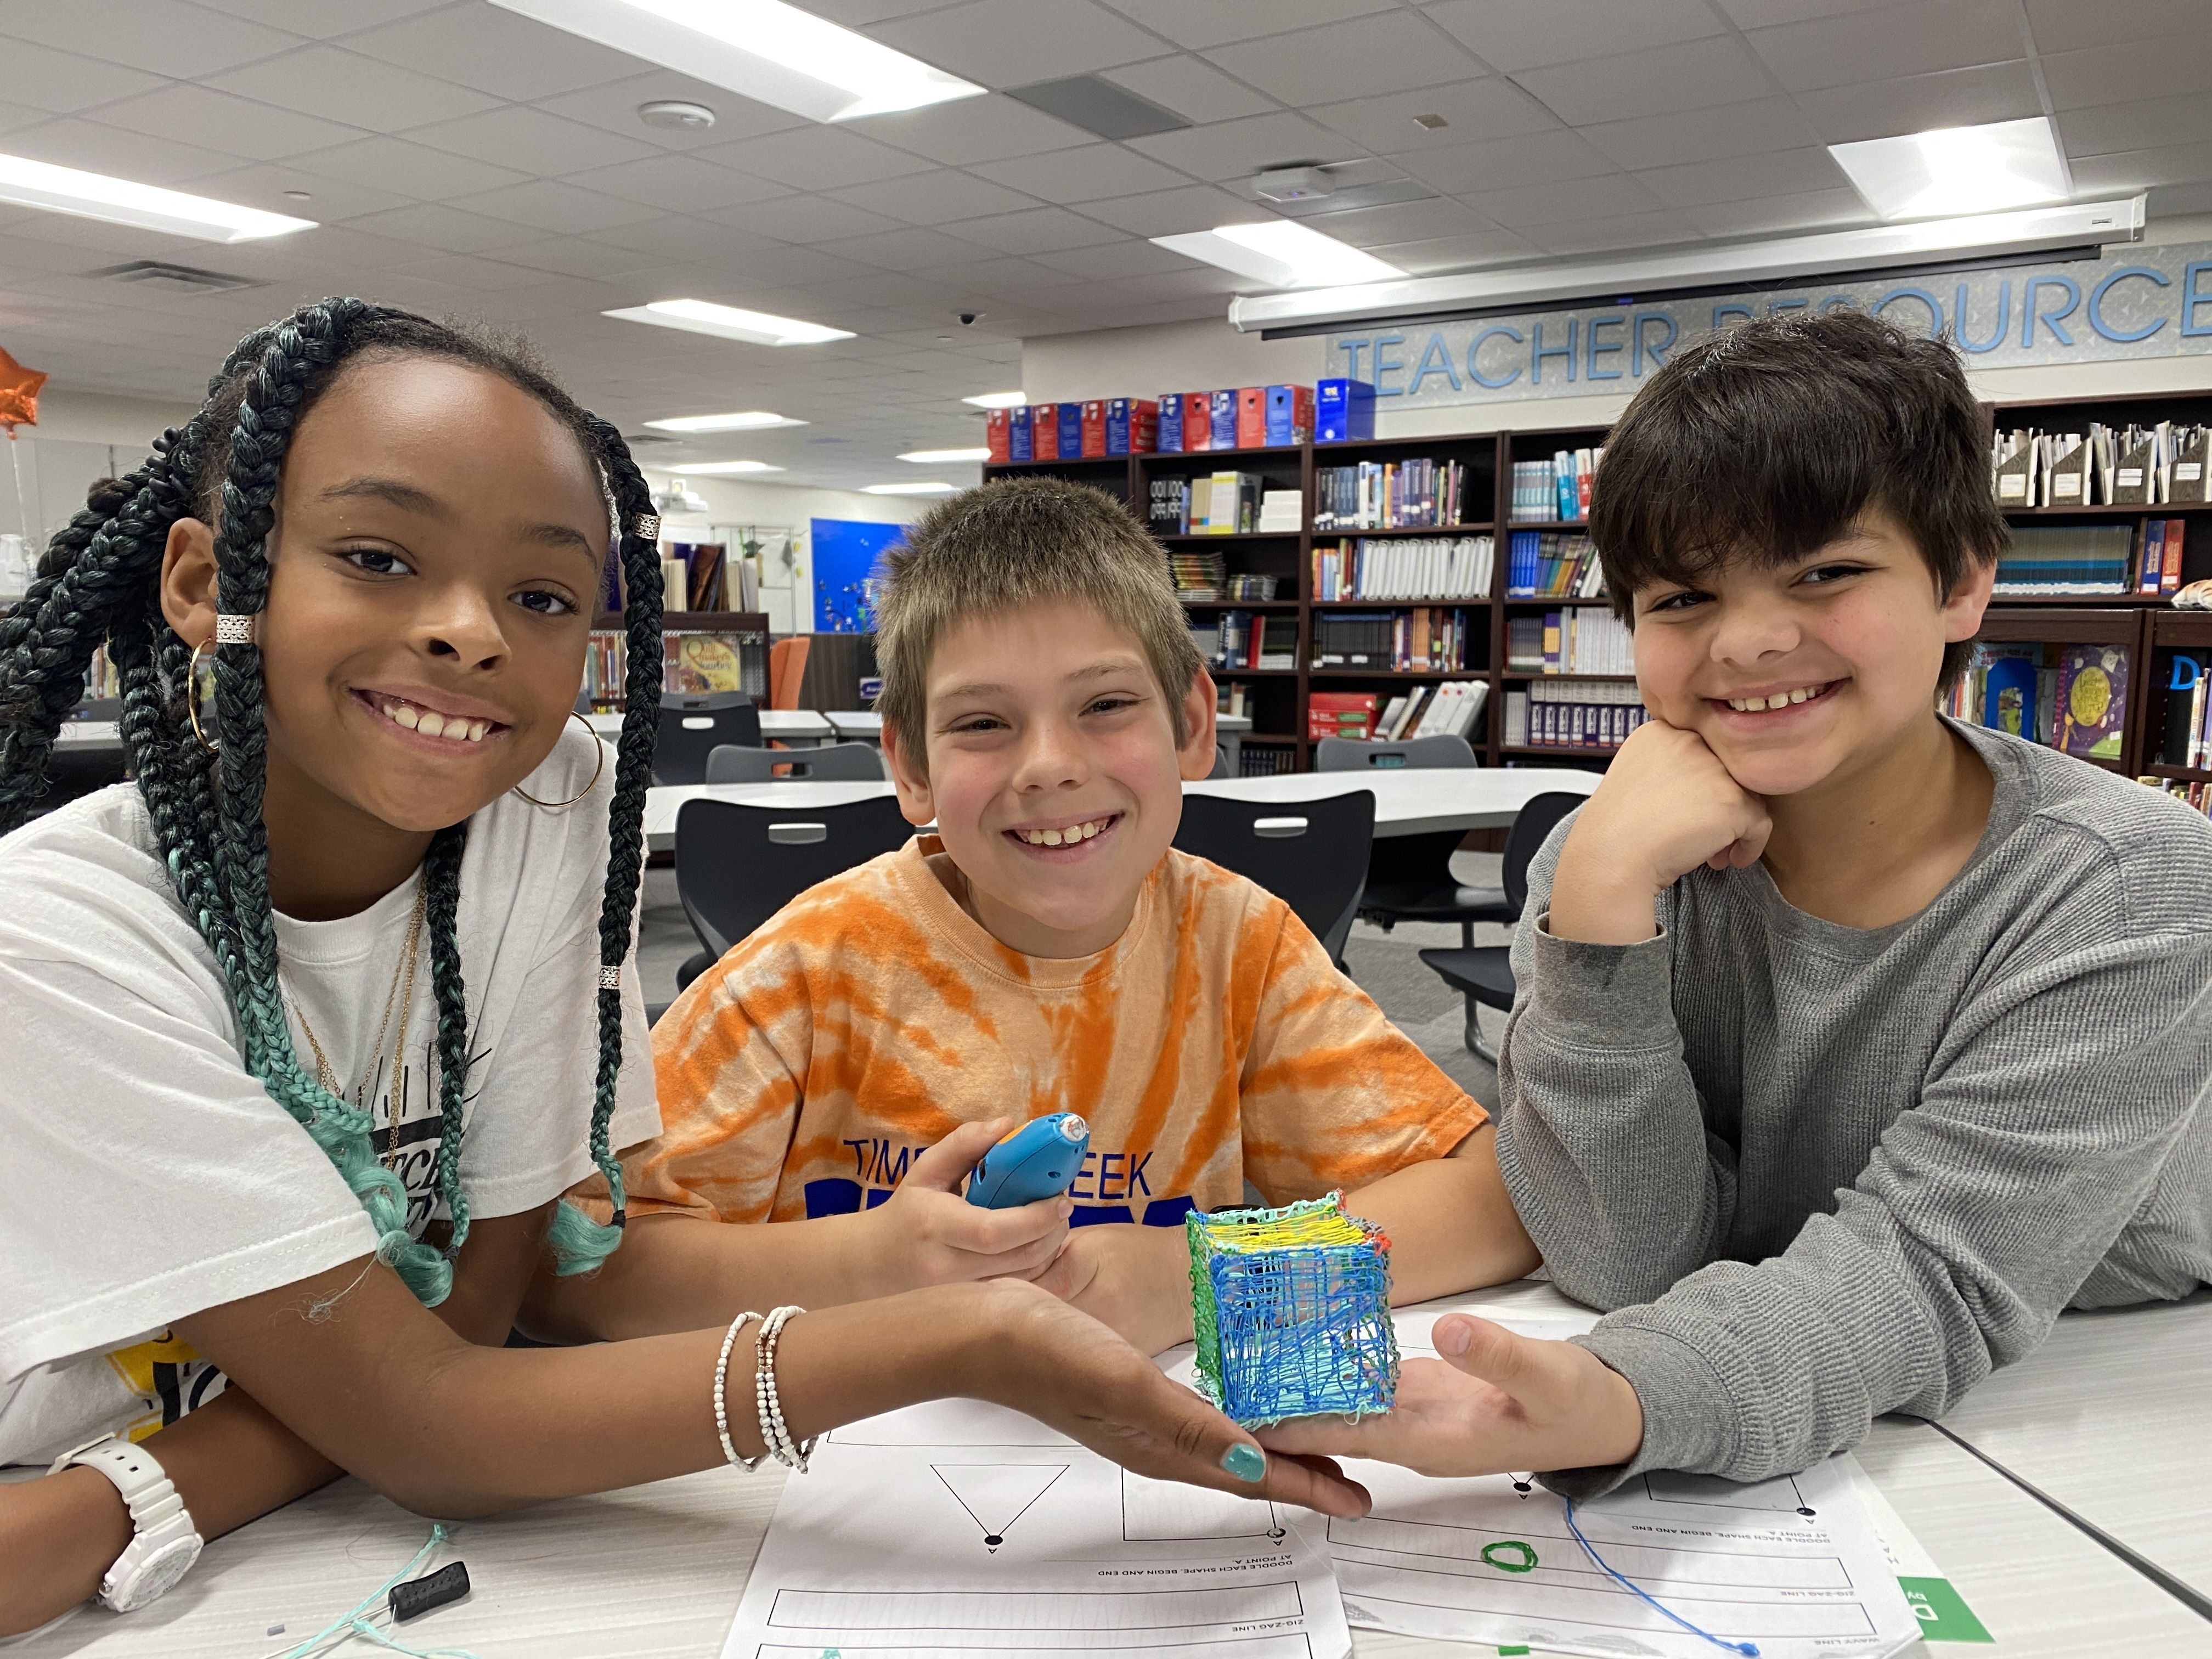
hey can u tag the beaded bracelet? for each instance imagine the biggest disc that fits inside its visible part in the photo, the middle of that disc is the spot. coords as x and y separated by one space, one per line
773 1434
721 1407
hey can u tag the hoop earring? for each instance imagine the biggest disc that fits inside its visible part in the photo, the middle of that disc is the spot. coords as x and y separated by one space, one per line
558 805
193 697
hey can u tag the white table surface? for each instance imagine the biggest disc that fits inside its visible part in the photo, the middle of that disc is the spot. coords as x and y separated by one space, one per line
2113 1418
655 1572
1405 802
777 723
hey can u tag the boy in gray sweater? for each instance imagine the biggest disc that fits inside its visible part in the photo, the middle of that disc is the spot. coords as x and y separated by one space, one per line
1851 1044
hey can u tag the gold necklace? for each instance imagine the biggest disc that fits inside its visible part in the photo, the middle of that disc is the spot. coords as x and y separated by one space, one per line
403 993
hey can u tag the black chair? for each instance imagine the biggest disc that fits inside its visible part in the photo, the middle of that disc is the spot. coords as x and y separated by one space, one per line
691 728
1484 974
736 864
1409 877
834 762
1309 853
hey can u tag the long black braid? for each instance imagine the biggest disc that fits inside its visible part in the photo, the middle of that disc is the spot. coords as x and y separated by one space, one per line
100 584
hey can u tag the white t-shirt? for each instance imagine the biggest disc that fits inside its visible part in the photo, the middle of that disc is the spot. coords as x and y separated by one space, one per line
144 1175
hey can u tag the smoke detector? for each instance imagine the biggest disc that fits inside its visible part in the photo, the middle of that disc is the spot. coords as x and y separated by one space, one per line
677 115
1302 184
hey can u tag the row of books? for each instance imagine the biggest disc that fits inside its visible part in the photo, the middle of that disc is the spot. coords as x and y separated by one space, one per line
1573 715
1556 488
2187 739
1253 761
1198 572
1450 709
1241 417
1425 639
1239 639
1548 565
701 576
2105 466
1418 567
1220 504
2197 795
1584 641
100 679
1408 495
691 664
2078 559
2157 567
2070 697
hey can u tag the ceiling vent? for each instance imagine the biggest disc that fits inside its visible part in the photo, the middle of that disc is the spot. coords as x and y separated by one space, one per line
1099 107
634 439
162 277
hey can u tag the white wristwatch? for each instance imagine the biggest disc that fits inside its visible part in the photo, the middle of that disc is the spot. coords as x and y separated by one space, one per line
167 1544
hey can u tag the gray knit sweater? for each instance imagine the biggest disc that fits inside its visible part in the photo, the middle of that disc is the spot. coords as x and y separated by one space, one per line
1847 1172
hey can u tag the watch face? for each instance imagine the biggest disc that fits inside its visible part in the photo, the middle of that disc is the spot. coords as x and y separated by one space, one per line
156 1575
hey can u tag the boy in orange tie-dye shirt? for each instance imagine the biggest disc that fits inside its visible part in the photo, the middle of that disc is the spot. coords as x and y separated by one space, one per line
1048 950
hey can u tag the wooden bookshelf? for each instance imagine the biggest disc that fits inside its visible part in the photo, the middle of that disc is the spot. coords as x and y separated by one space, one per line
2145 626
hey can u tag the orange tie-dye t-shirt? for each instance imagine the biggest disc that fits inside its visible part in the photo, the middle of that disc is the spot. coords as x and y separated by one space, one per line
1212 1044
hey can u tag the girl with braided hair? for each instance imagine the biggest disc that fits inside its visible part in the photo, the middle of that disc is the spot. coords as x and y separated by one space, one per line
314 1023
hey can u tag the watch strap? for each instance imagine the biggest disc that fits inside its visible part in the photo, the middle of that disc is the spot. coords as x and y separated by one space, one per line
136 1472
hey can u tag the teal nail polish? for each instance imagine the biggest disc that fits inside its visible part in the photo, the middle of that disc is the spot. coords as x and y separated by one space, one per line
1245 1462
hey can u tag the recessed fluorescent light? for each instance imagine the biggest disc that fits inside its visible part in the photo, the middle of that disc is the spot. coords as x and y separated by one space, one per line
1281 253
1825 254
938 457
704 317
121 202
721 469
1984 169
746 420
998 400
761 48
909 490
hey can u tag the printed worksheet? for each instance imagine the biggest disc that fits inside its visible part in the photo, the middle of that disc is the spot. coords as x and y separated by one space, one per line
1669 1566
959 1528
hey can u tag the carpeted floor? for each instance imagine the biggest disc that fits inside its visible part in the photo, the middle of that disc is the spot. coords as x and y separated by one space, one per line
1384 965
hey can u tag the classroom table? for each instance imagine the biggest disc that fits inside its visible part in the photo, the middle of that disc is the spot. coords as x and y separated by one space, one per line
802 726
655 1572
865 725
1407 803
2113 1418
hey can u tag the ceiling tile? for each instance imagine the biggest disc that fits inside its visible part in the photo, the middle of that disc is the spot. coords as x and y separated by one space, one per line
677 183
64 83
1221 22
1172 212
1400 222
1626 231
264 184
1763 13
1237 149
1569 198
20 115
2103 129
1907 39
613 108
1917 103
908 248
1818 210
2065 26
858 14
395 164
434 224
1742 178
1090 174
531 141
1038 230
321 19
805 219
218 120
338 86
1692 75
494 51
1441 253
1472 111
2121 172
972 130
1365 57
816 158
1129 259
1009 43
556 207
1190 86
1513 37
580 256
2118 73
2171 201
1703 135
467 271
1501 163
66 140
1008 276
162 37
931 198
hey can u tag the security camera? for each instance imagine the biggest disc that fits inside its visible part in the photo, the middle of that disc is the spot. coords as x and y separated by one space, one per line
967 317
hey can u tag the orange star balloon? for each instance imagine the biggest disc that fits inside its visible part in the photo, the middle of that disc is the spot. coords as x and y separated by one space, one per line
19 394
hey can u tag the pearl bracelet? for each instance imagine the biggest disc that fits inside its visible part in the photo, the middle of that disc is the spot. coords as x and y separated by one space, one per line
721 1406
773 1434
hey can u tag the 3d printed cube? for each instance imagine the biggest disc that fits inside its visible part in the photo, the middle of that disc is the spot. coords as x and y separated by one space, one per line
1292 1308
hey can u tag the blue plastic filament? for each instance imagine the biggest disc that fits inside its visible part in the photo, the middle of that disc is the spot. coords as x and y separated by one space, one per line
1749 1649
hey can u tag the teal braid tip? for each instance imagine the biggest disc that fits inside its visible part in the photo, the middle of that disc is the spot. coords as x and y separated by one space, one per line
580 1244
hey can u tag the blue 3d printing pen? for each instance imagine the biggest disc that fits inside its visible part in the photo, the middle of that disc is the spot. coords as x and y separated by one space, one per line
1037 1160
